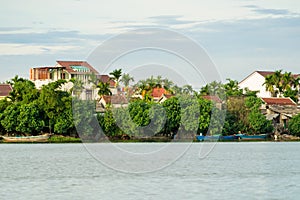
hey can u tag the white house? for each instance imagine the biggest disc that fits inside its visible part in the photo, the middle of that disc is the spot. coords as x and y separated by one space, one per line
255 82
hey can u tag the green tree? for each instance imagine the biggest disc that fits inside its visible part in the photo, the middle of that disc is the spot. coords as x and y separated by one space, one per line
103 89
51 101
126 78
232 88
117 73
30 119
294 125
10 117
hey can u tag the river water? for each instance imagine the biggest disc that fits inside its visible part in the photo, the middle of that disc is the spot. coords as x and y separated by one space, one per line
260 170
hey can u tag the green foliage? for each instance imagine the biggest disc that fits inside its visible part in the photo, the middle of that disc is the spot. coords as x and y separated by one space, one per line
10 117
258 123
294 125
30 119
173 115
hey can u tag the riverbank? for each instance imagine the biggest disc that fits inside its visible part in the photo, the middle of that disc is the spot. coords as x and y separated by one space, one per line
68 139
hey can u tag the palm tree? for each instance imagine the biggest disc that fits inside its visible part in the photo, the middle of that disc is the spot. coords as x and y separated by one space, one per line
187 89
167 84
117 73
103 89
269 83
277 78
287 81
232 88
77 87
126 78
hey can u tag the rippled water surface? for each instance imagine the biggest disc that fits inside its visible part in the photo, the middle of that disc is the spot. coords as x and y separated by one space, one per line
230 171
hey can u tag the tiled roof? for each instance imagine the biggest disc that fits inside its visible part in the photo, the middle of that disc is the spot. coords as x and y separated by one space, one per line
279 101
105 79
68 66
157 92
115 99
212 98
5 89
266 73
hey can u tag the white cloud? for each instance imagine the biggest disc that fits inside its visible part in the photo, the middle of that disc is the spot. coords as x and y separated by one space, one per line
21 49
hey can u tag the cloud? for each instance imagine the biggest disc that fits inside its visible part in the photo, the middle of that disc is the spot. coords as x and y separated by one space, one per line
21 49
268 11
9 29
169 20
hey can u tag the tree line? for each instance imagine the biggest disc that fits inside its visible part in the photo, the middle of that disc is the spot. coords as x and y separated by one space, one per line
28 110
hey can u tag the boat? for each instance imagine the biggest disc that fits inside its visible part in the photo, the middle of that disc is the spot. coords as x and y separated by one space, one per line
38 138
251 137
215 137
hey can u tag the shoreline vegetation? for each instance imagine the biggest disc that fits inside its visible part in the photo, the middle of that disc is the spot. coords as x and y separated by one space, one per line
216 109
68 139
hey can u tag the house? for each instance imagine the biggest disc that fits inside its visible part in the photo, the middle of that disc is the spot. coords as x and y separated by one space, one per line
157 93
5 89
67 70
279 110
215 99
255 82
116 101
63 70
164 97
112 83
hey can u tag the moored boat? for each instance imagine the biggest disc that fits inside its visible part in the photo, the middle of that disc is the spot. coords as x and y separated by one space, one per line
39 138
215 137
251 137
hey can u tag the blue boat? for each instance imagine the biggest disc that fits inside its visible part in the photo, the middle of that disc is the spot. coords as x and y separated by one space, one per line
251 137
215 137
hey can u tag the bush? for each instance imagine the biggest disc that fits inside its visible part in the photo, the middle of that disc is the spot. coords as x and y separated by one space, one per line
294 125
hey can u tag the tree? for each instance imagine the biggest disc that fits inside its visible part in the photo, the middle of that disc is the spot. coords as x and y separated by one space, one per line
23 90
269 83
294 125
232 88
30 119
126 78
10 119
103 89
117 73
51 101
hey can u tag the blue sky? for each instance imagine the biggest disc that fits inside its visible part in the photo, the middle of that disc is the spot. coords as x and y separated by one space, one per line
240 36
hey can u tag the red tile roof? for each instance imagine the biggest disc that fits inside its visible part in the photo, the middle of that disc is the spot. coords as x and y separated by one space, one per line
105 79
279 101
157 92
212 98
5 89
68 64
266 73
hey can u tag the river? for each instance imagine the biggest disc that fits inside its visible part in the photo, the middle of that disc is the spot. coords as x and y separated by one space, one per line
254 170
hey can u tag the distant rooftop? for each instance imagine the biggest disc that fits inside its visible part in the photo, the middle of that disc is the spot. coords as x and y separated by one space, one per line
5 89
279 101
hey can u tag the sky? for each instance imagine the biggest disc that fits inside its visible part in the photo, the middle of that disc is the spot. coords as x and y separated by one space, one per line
239 36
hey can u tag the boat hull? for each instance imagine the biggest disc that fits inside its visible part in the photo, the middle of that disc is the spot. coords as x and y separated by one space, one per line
251 137
215 138
40 138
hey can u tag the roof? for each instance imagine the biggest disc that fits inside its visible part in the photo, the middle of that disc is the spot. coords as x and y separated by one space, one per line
77 67
157 92
115 99
212 98
105 79
5 89
283 101
265 74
